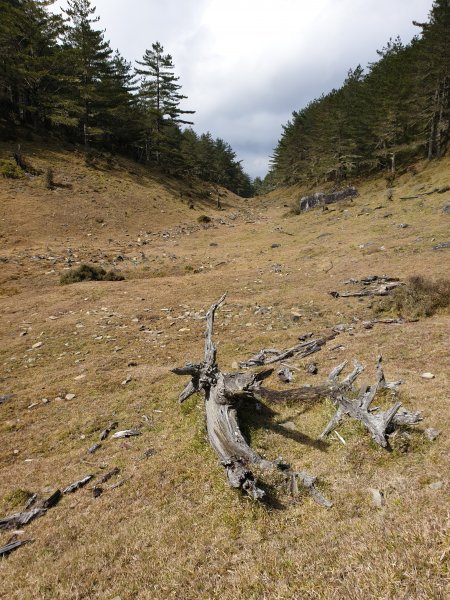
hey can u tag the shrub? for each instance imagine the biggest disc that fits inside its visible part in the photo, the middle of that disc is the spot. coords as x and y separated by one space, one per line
10 170
204 219
419 297
89 273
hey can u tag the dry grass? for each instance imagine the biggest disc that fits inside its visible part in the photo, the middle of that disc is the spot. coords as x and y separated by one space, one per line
174 529
419 297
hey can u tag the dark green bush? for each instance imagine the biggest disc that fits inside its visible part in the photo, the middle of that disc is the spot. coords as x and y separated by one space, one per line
89 273
204 219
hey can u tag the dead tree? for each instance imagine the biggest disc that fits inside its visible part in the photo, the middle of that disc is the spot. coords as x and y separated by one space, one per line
224 391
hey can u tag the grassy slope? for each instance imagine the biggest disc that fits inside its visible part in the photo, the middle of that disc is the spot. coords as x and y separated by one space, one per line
175 529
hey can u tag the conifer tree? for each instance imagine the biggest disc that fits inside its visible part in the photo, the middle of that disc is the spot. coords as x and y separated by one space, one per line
29 71
160 97
433 89
89 64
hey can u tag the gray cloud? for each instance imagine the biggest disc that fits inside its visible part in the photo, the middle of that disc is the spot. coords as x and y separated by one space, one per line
245 65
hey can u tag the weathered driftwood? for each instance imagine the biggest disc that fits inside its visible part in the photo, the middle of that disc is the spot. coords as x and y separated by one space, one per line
77 484
378 422
104 434
21 519
269 356
5 550
321 199
375 285
125 434
435 191
222 393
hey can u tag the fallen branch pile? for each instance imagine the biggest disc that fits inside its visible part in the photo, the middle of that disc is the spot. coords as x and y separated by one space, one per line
374 285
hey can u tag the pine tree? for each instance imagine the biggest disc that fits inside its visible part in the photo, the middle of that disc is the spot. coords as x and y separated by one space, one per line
89 64
433 89
160 97
29 52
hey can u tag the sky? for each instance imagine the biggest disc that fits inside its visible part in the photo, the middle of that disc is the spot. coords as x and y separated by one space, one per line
246 65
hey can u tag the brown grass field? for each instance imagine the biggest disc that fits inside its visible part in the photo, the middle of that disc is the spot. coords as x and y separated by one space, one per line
174 529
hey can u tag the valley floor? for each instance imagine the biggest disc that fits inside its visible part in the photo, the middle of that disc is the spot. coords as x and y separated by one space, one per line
174 529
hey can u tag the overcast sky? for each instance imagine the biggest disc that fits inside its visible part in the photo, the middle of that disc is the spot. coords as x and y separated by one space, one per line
245 65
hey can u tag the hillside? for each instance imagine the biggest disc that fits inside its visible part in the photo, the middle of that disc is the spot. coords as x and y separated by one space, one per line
173 528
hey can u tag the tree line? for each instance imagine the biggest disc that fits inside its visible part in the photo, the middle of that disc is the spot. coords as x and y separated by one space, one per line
59 75
392 113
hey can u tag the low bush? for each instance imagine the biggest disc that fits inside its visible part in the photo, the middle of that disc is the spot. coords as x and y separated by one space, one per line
89 273
419 297
10 170
204 219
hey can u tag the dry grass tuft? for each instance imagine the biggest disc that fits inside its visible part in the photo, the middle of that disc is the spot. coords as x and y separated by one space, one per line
420 297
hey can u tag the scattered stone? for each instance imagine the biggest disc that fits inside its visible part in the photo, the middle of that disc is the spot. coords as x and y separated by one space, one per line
125 434
94 448
5 398
97 491
70 396
275 246
127 380
276 268
431 434
132 363
436 485
427 376
378 498
289 425
80 377
441 246
285 375
446 208
45 400
312 368
235 365
403 225
37 345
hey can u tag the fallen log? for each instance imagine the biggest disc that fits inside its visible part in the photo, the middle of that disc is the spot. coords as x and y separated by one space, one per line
5 550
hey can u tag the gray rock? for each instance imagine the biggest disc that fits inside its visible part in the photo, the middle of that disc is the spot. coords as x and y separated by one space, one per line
431 434
312 368
378 498
436 485
289 425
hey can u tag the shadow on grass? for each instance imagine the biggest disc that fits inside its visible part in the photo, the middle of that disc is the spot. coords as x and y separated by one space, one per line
254 416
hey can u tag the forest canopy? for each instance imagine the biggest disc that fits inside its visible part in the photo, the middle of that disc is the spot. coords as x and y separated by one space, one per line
59 76
390 114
